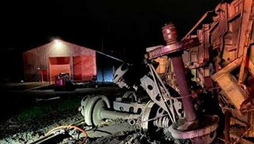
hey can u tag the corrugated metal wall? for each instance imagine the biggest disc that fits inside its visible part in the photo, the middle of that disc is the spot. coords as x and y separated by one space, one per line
36 61
84 68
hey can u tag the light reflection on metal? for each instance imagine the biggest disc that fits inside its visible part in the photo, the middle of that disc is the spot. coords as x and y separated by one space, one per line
164 50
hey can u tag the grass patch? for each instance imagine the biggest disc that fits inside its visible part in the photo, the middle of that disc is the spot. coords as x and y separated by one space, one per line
45 108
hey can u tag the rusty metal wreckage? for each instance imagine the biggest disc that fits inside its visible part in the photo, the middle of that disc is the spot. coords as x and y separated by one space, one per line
218 52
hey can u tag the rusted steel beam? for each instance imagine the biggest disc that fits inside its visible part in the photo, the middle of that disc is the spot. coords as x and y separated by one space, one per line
245 51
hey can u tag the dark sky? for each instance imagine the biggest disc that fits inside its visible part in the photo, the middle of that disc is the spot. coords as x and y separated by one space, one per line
127 27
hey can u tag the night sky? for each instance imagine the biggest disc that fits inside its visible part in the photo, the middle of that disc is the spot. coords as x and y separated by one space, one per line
123 28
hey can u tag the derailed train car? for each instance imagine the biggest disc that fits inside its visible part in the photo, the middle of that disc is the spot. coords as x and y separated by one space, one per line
217 53
222 64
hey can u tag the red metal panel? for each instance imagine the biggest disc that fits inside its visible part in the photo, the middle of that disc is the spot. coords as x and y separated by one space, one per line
31 66
44 75
84 67
59 60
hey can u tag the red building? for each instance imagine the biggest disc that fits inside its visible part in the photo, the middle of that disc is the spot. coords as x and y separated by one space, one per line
45 62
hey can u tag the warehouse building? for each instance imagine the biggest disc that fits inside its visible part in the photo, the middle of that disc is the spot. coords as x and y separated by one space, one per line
45 62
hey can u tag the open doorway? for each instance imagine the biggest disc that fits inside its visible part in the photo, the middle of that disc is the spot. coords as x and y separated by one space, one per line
58 65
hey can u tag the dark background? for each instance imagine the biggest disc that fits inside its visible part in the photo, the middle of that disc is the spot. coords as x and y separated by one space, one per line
123 28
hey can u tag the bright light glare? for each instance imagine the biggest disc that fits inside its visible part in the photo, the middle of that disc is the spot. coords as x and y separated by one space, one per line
58 43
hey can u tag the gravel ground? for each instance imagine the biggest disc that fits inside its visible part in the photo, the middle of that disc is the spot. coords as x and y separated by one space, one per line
14 132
